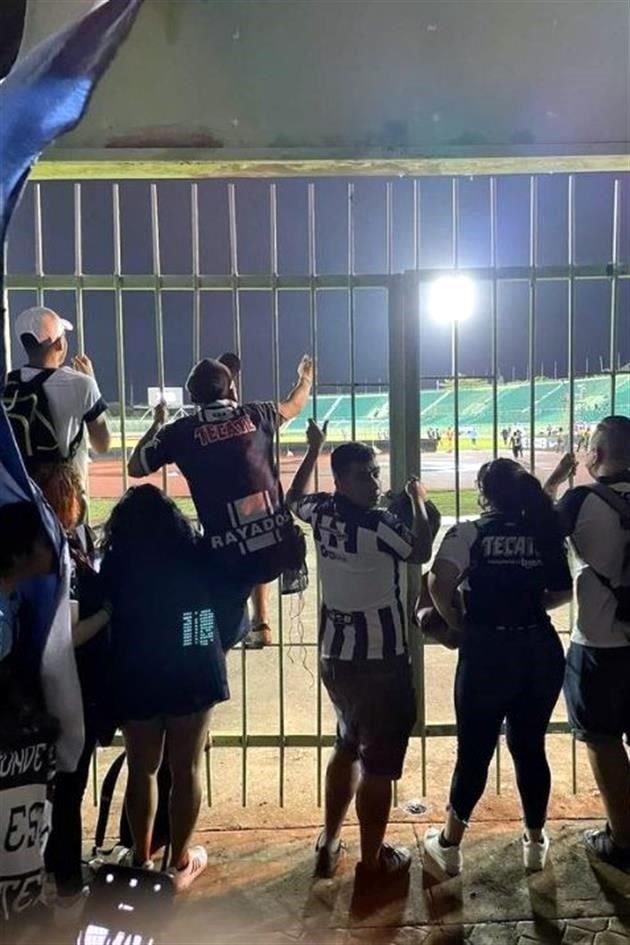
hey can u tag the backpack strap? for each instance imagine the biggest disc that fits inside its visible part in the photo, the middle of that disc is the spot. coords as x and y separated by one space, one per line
614 500
76 442
618 505
35 383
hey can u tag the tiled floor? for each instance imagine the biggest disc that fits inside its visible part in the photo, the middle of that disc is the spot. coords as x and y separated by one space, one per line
259 889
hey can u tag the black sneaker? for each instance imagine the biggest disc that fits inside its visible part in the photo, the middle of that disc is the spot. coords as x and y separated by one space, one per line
326 862
601 843
394 863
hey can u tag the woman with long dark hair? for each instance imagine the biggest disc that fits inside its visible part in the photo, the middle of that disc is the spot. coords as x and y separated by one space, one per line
494 580
170 631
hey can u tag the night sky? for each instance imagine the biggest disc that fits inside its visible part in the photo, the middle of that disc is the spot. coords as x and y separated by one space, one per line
593 246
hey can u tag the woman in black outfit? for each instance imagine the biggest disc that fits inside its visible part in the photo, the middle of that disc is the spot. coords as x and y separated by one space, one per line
494 580
170 630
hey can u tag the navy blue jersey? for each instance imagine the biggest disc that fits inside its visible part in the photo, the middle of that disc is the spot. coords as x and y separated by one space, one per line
505 572
225 452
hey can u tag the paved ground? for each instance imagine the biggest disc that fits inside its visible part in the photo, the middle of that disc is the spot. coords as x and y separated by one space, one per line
259 888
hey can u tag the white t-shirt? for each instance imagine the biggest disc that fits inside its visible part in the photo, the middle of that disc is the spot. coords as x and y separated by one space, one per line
74 399
598 541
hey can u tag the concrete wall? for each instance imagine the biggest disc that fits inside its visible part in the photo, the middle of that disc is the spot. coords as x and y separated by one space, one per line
362 77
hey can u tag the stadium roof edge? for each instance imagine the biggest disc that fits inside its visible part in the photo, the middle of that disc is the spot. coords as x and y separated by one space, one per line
190 163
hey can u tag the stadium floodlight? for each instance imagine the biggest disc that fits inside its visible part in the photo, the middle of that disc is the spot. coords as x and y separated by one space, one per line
451 298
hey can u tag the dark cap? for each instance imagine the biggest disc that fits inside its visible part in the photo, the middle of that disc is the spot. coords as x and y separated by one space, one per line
208 381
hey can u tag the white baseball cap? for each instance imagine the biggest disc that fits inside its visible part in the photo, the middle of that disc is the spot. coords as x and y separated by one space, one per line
42 323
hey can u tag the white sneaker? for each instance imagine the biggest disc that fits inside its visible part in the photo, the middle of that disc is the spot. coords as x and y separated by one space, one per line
197 862
449 859
127 859
535 853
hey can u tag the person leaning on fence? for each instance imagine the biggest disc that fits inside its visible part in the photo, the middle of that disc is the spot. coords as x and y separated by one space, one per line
225 451
511 567
596 518
51 406
62 488
170 628
363 646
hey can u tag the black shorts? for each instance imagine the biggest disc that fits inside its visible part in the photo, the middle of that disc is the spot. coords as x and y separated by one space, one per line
376 711
597 692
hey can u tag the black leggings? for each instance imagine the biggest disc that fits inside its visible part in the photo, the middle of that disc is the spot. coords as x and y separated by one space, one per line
64 848
511 675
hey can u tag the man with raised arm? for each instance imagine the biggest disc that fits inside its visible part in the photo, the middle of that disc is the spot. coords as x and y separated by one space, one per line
225 452
363 647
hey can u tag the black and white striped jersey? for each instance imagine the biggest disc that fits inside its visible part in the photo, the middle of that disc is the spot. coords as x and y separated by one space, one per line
358 552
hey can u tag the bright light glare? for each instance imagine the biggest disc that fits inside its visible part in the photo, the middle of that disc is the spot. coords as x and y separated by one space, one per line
451 298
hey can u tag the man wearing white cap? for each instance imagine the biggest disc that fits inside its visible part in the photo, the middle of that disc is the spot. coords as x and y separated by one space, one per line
68 396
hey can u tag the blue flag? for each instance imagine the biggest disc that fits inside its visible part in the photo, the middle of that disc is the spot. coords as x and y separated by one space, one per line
44 96
48 91
46 636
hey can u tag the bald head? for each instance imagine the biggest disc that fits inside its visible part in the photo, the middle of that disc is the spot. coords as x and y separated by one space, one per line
610 444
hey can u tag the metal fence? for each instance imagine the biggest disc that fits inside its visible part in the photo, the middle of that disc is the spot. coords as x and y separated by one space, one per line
274 678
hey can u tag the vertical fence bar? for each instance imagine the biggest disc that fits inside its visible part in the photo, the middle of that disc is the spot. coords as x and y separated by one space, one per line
209 777
312 311
236 301
351 306
533 262
494 337
417 256
196 270
455 342
571 379
494 351
614 287
571 311
389 261
94 767
120 332
275 336
389 266
78 267
78 296
417 221
157 299
416 210
39 244
236 317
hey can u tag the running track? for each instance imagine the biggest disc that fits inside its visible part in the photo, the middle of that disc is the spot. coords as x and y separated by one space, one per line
437 470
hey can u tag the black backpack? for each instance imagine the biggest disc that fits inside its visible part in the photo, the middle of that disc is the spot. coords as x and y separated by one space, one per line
622 590
28 410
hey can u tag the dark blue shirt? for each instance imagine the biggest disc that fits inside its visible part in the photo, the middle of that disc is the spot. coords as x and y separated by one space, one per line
225 452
